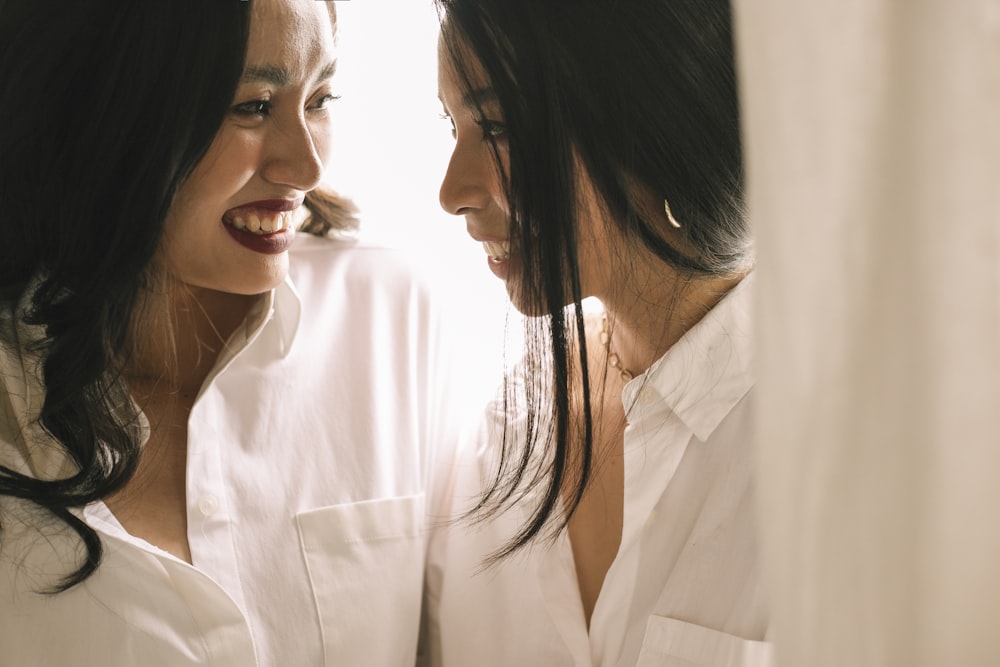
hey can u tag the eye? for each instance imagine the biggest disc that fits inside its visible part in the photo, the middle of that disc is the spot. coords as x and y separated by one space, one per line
324 101
492 128
253 108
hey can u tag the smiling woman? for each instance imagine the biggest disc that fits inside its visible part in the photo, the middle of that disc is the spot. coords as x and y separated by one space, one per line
219 408
609 496
267 154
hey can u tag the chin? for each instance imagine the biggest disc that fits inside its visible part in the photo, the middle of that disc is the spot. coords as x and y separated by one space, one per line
526 304
271 274
532 305
262 286
247 285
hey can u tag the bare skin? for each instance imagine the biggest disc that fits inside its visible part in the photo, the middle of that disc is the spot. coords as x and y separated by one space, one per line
649 308
153 505
595 528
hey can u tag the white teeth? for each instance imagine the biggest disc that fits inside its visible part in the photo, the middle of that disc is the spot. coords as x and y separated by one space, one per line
253 222
275 224
498 251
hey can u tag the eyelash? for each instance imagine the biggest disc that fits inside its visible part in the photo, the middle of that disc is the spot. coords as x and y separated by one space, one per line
490 128
262 108
451 122
253 108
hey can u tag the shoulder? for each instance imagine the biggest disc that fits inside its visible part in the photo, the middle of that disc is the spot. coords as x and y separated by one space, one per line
37 550
370 287
356 262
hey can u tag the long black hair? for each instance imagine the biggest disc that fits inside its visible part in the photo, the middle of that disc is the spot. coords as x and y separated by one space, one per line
108 106
640 94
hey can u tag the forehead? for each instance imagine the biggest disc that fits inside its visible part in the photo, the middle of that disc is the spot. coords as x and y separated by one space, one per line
460 73
294 33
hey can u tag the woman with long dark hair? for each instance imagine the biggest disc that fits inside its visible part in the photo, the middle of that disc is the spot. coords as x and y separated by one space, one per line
609 503
216 431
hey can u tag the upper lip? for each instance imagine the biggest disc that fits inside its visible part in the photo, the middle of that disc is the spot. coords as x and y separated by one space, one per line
484 238
278 205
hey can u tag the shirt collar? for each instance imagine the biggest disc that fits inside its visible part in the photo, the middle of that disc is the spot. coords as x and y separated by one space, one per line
283 306
288 312
706 373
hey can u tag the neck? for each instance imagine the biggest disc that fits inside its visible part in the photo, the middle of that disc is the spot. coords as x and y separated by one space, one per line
647 318
184 339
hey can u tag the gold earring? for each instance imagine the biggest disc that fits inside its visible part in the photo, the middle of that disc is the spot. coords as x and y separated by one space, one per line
670 216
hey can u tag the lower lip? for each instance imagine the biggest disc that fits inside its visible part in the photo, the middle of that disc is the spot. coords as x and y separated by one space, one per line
500 269
274 243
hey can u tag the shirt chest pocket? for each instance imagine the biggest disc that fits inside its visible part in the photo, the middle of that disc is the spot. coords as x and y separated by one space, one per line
366 563
672 643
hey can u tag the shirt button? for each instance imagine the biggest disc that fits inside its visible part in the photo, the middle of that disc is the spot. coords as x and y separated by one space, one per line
208 504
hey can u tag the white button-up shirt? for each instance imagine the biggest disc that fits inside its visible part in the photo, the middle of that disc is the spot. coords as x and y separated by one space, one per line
684 589
309 456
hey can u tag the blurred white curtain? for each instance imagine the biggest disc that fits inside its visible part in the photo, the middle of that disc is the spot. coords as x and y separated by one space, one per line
873 146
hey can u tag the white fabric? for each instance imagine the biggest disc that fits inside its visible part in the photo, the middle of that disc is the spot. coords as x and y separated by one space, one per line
684 588
309 465
873 151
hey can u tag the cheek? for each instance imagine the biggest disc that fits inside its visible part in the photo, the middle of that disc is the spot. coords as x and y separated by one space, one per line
195 216
496 174
189 220
230 162
322 140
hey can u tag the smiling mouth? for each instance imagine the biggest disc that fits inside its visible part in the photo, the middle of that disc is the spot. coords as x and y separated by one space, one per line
260 221
497 251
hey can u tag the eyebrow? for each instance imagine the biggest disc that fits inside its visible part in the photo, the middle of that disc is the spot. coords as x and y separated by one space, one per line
278 76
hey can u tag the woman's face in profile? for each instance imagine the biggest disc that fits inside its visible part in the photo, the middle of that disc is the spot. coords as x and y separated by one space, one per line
472 186
232 221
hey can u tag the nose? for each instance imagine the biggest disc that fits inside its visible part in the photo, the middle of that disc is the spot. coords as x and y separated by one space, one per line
295 155
466 184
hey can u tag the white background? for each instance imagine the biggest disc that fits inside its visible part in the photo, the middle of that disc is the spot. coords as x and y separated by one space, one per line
391 146
390 152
